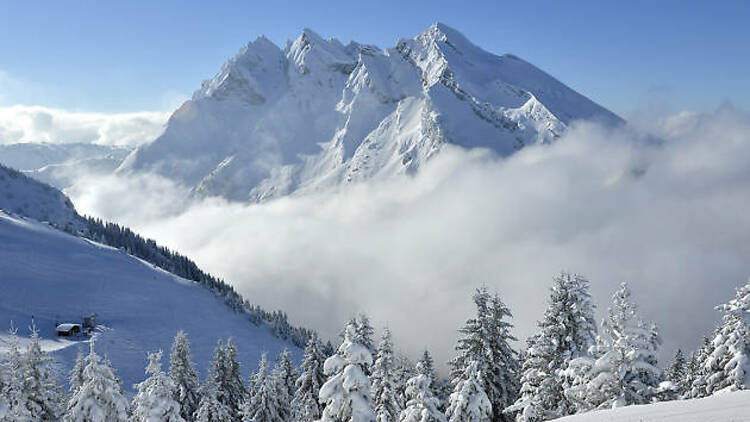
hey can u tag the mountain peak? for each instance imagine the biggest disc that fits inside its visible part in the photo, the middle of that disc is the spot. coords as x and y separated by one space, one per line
320 114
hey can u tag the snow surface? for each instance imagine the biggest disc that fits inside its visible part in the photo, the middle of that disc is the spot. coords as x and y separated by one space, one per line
54 276
728 407
319 113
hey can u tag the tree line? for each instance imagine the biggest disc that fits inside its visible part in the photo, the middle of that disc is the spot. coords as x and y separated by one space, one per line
570 365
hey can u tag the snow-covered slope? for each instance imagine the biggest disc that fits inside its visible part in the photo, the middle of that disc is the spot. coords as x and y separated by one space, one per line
728 407
21 195
60 164
319 113
54 276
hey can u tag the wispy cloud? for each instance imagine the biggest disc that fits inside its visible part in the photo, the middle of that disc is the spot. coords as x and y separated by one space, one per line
42 124
667 213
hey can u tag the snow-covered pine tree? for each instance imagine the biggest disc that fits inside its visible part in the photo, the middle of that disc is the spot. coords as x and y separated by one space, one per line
469 402
282 379
403 370
287 373
485 342
14 394
347 391
440 389
365 332
421 404
728 365
210 408
45 396
155 399
305 406
624 369
231 380
264 405
75 378
225 375
184 376
387 406
676 371
100 398
698 387
691 373
566 332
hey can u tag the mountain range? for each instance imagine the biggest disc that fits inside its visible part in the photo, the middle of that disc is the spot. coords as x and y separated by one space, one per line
318 114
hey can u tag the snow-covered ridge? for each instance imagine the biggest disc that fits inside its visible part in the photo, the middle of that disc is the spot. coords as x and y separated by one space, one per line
318 114
21 195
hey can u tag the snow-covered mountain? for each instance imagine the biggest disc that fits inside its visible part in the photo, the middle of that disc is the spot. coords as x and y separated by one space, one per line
60 164
52 276
319 113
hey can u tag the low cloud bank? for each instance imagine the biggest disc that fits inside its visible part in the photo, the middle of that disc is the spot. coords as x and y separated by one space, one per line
667 212
42 124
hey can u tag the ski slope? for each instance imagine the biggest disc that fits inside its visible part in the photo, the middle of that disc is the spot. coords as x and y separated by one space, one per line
53 276
727 407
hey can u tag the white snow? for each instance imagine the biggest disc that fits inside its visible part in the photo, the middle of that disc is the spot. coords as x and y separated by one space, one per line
50 275
319 113
728 407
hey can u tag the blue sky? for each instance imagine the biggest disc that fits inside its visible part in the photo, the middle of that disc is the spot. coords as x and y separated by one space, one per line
111 56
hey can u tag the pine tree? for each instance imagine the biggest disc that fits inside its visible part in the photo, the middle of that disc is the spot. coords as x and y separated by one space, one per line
40 383
728 364
365 332
225 376
485 343
305 406
287 373
421 405
566 332
387 407
439 390
347 391
231 380
264 405
698 388
184 376
100 397
14 393
155 399
403 370
282 379
677 370
75 379
469 402
210 408
623 368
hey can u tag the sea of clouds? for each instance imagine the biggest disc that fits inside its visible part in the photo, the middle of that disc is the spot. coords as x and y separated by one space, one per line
20 123
663 203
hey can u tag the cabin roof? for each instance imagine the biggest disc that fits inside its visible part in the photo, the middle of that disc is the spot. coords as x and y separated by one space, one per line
64 328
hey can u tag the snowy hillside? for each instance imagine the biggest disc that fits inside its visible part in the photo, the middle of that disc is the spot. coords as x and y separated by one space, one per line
318 113
728 407
54 276
60 164
21 195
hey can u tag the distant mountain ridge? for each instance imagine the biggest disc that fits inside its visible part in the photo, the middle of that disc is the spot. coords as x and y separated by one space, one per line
318 114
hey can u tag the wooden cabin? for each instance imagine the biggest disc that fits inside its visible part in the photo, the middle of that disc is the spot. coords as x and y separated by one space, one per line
68 329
